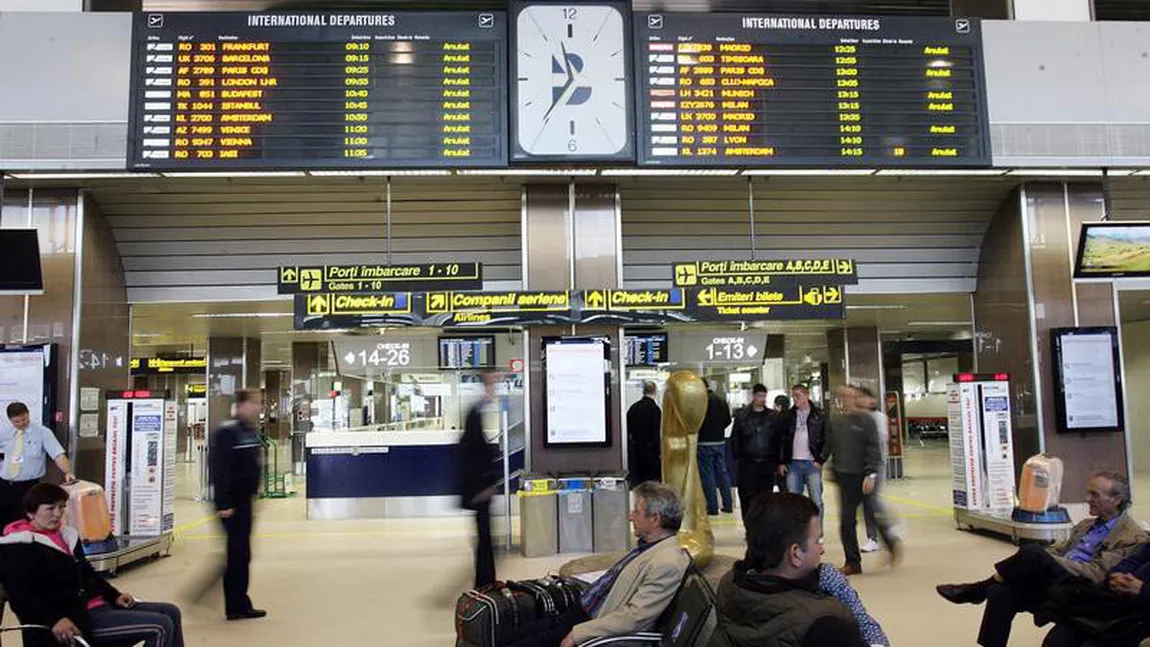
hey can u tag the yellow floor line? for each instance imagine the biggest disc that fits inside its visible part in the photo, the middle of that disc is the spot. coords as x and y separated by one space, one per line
182 529
918 504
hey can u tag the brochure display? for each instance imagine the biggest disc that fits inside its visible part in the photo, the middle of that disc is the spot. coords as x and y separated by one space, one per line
982 459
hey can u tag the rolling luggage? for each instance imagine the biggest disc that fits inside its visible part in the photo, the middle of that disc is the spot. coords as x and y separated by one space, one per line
553 595
492 616
87 511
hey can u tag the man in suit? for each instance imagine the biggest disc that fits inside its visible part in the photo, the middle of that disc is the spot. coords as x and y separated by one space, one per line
644 423
1095 546
631 595
478 474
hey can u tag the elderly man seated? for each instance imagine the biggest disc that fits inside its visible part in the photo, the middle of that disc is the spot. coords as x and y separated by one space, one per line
631 595
1019 583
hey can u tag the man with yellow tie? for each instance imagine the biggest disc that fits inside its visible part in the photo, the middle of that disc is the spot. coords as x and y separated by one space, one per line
25 444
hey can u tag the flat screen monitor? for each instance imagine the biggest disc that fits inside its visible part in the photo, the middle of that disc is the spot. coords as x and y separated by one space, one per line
1113 250
577 391
646 349
1087 379
20 262
466 352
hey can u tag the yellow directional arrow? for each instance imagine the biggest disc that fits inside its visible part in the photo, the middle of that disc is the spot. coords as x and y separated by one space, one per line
844 266
319 304
813 297
706 297
832 294
686 275
437 301
311 279
289 275
595 299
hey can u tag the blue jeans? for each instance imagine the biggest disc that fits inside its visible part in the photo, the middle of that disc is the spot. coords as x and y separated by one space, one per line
802 474
713 474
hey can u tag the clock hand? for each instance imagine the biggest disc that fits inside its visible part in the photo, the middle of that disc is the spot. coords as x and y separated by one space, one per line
568 87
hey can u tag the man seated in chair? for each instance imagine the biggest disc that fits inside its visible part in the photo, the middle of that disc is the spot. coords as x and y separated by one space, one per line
773 597
631 595
1020 582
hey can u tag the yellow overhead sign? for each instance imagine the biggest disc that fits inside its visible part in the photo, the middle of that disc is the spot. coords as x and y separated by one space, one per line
631 300
448 302
359 304
780 273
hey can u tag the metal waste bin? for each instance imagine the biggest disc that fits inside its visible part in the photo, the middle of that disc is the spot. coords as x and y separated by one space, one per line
610 502
575 515
538 528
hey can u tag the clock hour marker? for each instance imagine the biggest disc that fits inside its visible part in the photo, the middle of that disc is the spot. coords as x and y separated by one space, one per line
570 30
571 127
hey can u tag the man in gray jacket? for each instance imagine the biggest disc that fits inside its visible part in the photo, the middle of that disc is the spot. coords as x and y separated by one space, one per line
854 444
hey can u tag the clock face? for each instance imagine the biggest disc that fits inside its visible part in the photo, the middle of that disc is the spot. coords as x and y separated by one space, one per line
572 81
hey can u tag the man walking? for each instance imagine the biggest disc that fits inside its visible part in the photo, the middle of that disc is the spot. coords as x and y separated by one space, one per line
25 444
478 475
854 446
803 447
752 442
712 453
234 456
644 442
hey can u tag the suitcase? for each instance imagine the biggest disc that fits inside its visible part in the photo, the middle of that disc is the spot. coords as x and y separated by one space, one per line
1041 486
492 616
553 595
87 511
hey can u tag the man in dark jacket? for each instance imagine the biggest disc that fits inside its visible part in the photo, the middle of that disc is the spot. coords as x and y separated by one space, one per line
802 446
854 445
752 444
644 440
772 597
234 457
712 453
477 478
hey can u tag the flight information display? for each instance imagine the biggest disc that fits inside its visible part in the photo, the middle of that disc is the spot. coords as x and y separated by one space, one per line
318 90
646 349
752 90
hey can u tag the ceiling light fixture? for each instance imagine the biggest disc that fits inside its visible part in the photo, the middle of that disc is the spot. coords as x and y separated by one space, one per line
233 174
81 176
1056 172
811 172
385 173
940 323
911 172
667 172
241 315
876 307
528 172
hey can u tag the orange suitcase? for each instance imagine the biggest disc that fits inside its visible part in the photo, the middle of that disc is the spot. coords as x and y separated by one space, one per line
88 511
1041 486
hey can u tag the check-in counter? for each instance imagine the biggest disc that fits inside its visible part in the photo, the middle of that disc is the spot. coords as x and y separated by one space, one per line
377 474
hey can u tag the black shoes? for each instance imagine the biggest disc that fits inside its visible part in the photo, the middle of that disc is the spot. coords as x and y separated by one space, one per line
250 614
963 593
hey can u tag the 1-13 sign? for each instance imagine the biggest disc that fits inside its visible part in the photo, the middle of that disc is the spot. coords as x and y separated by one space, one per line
730 349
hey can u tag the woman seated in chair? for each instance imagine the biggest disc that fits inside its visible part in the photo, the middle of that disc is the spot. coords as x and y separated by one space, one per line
49 582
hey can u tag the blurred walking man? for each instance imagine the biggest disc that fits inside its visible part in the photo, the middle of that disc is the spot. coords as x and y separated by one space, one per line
478 474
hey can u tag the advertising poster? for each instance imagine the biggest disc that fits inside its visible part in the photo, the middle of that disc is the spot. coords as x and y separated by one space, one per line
168 506
964 448
999 447
576 392
146 504
22 380
114 462
894 420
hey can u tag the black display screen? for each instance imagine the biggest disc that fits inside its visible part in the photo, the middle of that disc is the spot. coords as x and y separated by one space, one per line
318 90
466 352
20 271
646 349
824 91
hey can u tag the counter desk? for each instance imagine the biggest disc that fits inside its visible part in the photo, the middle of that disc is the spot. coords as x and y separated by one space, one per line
385 474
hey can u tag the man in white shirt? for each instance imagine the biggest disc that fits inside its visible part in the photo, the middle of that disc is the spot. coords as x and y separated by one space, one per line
25 445
803 449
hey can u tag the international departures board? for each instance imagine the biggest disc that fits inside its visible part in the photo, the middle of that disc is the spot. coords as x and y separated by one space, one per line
318 90
760 90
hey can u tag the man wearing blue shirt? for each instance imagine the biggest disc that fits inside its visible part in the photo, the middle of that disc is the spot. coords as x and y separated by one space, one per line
25 445
1095 546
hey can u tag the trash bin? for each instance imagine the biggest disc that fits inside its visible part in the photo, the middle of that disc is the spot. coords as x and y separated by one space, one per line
538 529
575 515
610 503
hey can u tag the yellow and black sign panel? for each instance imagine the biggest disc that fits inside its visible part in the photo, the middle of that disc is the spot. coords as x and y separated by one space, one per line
768 273
796 302
151 365
633 300
374 279
447 302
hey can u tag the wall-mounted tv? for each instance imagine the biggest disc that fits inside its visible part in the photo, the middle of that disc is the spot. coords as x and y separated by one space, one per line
20 262
1087 379
1113 249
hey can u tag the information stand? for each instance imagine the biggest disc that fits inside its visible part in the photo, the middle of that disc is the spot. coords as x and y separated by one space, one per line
982 459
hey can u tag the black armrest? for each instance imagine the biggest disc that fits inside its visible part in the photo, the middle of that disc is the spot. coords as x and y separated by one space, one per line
641 639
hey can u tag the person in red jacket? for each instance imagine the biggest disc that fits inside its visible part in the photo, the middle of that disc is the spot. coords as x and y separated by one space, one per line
50 583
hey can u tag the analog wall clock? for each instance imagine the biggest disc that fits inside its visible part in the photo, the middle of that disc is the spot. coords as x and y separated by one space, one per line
572 82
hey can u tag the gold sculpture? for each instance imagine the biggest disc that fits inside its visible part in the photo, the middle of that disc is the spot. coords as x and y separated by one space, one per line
684 406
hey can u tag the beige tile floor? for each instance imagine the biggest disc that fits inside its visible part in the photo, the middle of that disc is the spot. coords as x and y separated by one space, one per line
392 582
